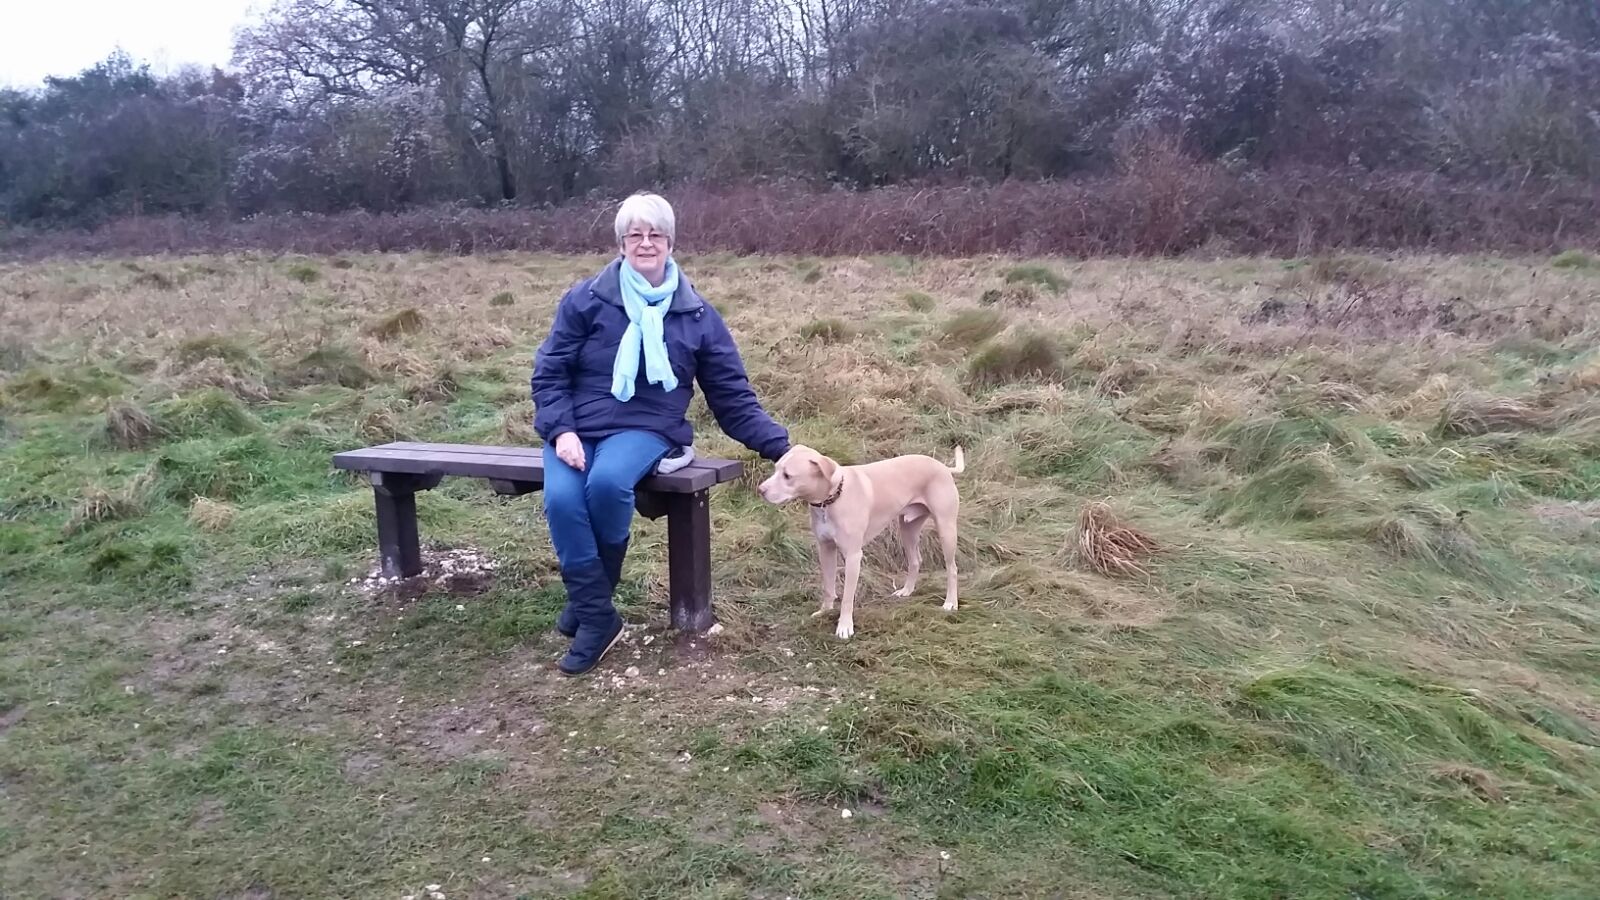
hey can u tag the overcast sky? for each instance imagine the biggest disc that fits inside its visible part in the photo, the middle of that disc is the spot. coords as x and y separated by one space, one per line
64 37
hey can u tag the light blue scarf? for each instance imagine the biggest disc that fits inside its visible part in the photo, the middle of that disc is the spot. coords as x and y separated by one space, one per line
647 312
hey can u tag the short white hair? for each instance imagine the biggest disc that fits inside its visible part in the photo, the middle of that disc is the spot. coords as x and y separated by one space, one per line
651 210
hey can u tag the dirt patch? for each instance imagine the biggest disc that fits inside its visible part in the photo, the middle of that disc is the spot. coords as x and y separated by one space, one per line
462 731
462 571
360 767
11 717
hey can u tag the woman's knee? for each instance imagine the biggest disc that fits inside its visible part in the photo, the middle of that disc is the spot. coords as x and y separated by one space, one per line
566 501
606 489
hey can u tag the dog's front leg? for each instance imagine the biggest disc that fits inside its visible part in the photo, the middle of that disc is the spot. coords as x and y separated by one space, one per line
847 605
828 556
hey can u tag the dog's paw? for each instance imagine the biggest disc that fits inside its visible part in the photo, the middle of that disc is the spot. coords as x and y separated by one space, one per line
903 592
950 605
845 630
822 611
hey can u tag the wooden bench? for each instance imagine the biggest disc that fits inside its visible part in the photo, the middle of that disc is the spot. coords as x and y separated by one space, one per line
400 469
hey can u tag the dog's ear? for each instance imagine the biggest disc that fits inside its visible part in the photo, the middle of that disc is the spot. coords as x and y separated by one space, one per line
824 466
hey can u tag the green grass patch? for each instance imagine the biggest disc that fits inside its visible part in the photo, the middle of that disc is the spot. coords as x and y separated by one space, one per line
1041 276
1026 356
1574 259
827 331
972 327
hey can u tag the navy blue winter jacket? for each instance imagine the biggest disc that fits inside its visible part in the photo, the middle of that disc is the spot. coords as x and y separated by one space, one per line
572 372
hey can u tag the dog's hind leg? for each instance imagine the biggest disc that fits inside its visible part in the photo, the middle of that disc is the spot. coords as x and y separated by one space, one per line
910 539
946 523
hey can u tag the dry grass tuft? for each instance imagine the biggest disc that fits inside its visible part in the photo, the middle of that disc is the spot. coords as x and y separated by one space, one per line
211 346
516 424
1027 356
1109 546
382 424
1482 783
1341 396
217 373
1014 296
917 301
827 331
1121 377
1472 414
96 504
1426 532
406 321
483 340
504 298
972 327
211 515
442 383
129 427
331 364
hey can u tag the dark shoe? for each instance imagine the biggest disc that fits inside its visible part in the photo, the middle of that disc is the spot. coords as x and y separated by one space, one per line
589 647
599 626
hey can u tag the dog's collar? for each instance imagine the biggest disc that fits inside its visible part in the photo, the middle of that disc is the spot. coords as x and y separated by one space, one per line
832 498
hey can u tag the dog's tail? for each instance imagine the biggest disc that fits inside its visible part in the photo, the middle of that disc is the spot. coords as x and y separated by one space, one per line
961 462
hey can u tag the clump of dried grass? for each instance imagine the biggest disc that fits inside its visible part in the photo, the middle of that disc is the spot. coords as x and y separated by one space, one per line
129 427
1482 783
827 331
441 383
210 346
516 424
483 340
1109 546
972 327
381 424
211 515
217 373
406 321
1122 376
1470 414
1015 296
96 504
330 364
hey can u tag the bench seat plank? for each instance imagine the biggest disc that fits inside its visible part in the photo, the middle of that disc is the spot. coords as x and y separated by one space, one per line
514 464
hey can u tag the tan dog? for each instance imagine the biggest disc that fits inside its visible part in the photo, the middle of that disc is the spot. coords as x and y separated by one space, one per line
851 505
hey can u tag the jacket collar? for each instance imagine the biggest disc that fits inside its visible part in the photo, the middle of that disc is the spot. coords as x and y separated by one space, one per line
608 287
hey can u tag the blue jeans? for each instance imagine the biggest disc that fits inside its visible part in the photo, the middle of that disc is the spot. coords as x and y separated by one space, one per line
594 507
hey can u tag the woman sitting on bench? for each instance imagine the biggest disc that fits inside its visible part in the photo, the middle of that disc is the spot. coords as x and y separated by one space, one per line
611 390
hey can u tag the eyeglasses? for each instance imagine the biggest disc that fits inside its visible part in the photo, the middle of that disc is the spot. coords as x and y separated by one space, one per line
634 238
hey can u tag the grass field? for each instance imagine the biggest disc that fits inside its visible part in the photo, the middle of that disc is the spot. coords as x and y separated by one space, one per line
1280 579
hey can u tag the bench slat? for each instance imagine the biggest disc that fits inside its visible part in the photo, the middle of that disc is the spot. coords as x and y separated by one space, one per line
524 464
726 469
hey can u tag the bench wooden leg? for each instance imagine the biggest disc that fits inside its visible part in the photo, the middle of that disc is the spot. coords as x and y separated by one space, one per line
689 561
399 549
